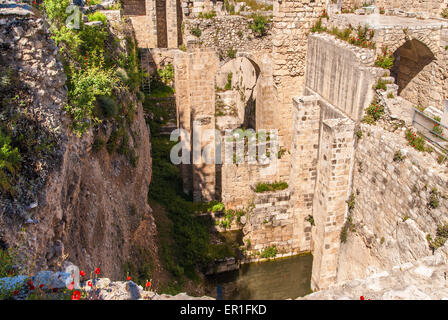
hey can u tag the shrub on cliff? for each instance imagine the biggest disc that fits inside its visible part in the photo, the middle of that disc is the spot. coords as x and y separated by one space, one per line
258 25
385 60
84 88
98 16
9 163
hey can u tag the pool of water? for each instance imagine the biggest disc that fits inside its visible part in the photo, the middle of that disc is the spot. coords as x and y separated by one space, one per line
272 280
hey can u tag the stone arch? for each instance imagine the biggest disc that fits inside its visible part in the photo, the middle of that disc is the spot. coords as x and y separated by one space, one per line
236 101
411 59
433 47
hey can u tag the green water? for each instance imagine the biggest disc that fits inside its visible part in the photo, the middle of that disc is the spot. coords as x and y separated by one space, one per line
271 280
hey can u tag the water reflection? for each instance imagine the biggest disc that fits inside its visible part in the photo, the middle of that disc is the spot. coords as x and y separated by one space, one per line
279 279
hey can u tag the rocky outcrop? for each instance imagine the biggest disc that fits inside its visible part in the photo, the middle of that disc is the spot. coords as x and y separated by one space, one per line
424 279
83 206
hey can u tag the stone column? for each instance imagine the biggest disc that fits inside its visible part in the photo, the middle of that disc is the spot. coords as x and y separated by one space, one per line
171 21
332 191
151 22
183 110
292 22
303 169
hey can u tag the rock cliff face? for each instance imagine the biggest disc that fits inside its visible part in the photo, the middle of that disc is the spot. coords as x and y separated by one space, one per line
74 204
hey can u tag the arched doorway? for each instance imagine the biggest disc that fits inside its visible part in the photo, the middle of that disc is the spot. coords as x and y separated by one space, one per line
412 71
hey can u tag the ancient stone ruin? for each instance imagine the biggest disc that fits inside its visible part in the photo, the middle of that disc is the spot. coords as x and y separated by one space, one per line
314 85
321 128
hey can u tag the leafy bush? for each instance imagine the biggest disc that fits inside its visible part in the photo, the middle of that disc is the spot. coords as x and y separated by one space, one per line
441 237
122 75
258 25
108 105
196 32
385 60
84 87
375 110
98 144
9 163
231 53
381 85
269 252
267 187
317 27
433 199
55 10
166 73
98 16
415 140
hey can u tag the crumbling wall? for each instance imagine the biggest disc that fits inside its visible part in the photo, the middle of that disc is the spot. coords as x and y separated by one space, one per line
392 210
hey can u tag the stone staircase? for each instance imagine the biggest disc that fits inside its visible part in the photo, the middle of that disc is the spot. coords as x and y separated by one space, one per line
145 64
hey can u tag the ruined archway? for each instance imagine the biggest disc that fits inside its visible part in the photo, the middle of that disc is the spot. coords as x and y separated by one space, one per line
236 94
412 71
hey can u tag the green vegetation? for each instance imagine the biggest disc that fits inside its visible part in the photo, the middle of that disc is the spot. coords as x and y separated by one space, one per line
98 16
441 237
385 60
381 85
267 187
258 24
373 112
310 219
207 15
9 163
317 27
196 31
228 85
349 225
416 141
398 156
92 67
166 73
190 248
230 8
359 134
269 252
434 196
231 53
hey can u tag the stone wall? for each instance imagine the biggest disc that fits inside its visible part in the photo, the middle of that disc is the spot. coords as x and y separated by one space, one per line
340 74
271 223
391 214
431 7
332 188
420 56
229 32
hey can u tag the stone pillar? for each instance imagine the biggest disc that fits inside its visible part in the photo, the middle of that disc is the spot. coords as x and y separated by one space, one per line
303 170
292 22
332 191
183 110
151 22
171 21
195 73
